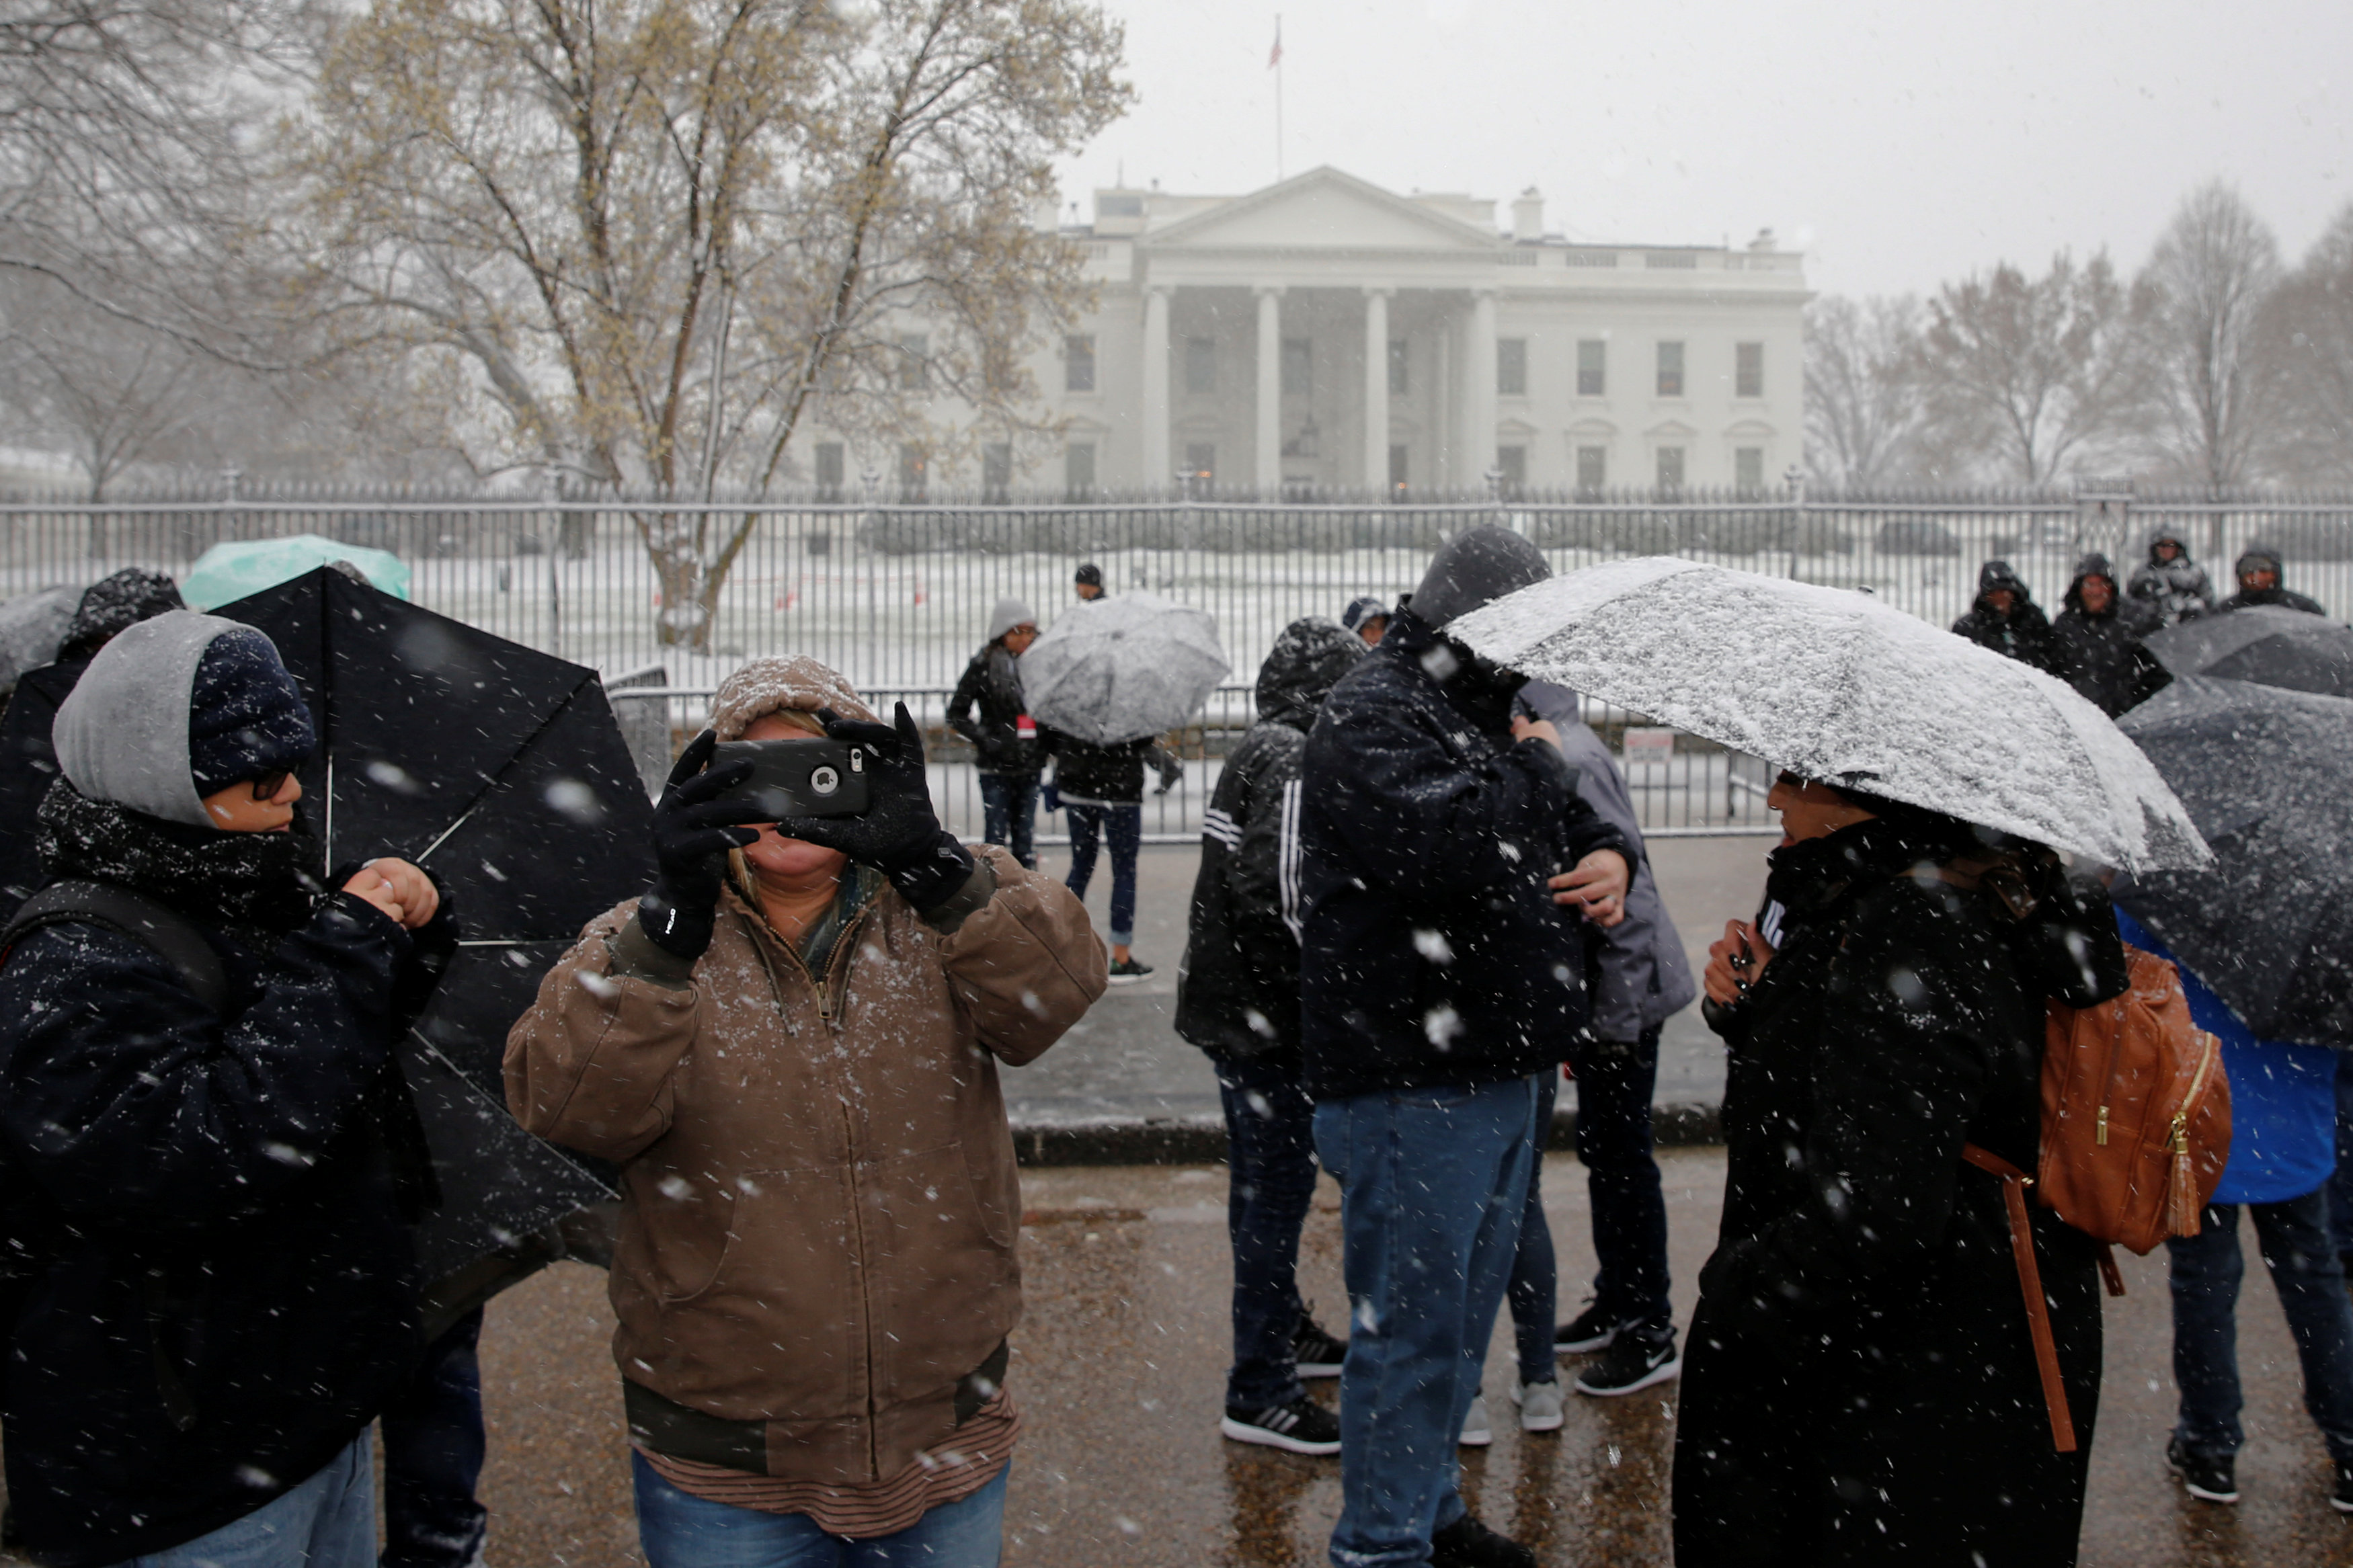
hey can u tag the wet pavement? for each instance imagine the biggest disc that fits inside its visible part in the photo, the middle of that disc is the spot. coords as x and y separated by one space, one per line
1120 1368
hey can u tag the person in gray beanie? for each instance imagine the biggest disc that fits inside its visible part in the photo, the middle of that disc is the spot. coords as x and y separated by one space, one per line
1449 869
987 709
208 1157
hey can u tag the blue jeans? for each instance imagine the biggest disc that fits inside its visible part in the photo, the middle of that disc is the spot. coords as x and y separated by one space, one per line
1433 1182
1123 824
2340 1187
2294 1239
1270 1154
1009 814
328 1521
678 1530
433 1449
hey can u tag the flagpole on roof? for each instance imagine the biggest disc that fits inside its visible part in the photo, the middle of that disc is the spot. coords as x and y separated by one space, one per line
1274 63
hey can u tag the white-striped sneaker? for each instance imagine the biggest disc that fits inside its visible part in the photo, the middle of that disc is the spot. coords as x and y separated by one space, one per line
1302 1426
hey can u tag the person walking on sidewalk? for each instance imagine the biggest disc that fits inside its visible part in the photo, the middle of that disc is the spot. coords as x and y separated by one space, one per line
1004 739
1238 1000
1103 788
1445 860
790 1044
211 1160
2282 1153
1859 1385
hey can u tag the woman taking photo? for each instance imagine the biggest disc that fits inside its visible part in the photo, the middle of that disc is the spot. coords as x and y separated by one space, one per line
1860 1385
790 1044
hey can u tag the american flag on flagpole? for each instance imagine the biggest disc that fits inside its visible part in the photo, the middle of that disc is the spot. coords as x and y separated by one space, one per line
1274 57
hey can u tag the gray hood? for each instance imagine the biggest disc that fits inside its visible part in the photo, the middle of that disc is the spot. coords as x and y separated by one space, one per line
122 736
1007 615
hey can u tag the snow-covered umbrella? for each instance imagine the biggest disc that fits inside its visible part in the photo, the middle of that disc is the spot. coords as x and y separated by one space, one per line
1838 686
2270 645
1113 670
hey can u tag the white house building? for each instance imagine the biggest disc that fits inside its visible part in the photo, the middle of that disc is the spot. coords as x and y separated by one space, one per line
1326 334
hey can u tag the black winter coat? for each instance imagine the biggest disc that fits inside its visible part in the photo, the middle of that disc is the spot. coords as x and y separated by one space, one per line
2023 635
1238 987
220 1191
1859 1386
1110 775
986 709
29 767
2248 599
2104 661
1431 953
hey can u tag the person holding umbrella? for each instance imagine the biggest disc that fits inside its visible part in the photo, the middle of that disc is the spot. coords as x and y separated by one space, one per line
1447 867
1103 788
213 1159
790 1044
1238 1000
2259 572
1003 739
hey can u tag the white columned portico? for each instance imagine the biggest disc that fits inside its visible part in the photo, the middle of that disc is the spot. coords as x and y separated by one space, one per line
1476 442
1377 390
1158 468
1269 475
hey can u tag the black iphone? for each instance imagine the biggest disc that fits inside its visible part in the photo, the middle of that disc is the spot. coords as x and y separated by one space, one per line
800 778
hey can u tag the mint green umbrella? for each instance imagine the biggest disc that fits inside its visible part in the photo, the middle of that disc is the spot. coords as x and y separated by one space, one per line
231 571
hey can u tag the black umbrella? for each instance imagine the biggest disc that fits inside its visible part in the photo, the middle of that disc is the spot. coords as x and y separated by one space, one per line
2269 927
29 767
2267 645
499 770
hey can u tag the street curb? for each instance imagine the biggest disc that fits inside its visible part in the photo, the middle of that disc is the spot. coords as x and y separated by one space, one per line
1201 1141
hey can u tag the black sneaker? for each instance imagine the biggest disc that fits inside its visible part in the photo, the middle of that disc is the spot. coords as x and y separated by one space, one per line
1127 971
1302 1426
1631 1360
2214 1477
1467 1543
2341 1500
1588 1331
1317 1354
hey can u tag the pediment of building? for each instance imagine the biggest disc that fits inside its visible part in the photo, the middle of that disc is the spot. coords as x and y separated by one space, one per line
1670 430
1593 427
1520 428
1323 209
1748 429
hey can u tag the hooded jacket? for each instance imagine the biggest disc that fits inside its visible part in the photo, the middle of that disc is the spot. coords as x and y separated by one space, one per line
1238 987
1431 953
2170 591
1859 1385
987 709
2024 634
819 1211
1641 977
2258 559
2102 653
224 1196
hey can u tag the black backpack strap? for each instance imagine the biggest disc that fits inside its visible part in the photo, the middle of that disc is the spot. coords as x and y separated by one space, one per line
126 913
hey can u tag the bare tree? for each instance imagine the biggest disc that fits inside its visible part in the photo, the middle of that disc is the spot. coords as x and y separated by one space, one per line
114 393
573 198
2308 344
1864 406
2201 297
2034 370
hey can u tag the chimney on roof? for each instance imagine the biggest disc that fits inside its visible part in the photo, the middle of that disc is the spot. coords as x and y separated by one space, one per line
1764 240
1528 216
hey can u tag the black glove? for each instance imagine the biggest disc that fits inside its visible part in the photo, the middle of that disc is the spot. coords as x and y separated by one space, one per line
900 835
694 825
1171 770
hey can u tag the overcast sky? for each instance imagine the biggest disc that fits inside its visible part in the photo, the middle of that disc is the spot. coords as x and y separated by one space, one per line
1902 144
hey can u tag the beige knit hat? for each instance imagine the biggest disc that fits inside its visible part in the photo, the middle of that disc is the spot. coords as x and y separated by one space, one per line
772 684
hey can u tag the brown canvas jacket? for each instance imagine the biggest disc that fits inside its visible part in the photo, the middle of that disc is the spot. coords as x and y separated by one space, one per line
819 1205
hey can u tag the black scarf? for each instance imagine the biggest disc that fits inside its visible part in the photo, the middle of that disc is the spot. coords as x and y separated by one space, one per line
260 882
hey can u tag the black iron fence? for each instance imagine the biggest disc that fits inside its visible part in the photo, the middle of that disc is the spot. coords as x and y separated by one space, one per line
896 594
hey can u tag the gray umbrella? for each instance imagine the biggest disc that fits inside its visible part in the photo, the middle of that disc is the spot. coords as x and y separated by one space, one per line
1117 669
2269 927
1841 687
31 627
2267 644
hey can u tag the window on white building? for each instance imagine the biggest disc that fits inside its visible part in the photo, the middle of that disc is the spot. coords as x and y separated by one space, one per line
830 467
1202 463
1511 463
915 471
1397 379
1748 469
1397 467
914 362
1079 363
1592 469
1593 368
996 470
1201 365
1748 370
1670 467
1079 470
1512 367
1298 367
1671 370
